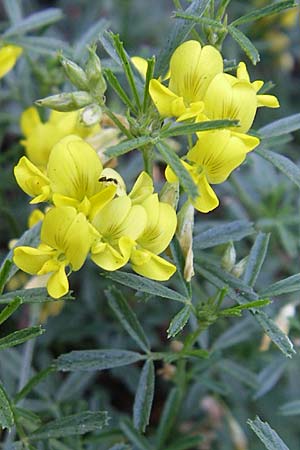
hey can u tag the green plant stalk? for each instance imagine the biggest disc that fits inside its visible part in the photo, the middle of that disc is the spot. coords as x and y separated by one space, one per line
148 157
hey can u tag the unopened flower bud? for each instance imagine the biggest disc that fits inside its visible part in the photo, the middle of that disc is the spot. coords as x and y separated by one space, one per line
176 346
170 194
97 84
239 268
185 237
91 115
229 257
75 74
69 101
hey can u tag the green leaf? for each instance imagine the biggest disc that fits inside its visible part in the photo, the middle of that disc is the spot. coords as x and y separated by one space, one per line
275 334
96 359
4 274
127 317
256 258
144 397
93 34
18 337
280 127
36 379
128 145
31 238
134 436
33 295
113 81
245 44
269 376
13 9
239 372
179 32
242 294
168 417
174 162
221 234
202 20
6 412
34 22
290 408
120 446
185 443
237 310
284 164
149 76
127 68
144 285
72 425
190 128
263 12
285 286
10 309
266 434
179 321
42 45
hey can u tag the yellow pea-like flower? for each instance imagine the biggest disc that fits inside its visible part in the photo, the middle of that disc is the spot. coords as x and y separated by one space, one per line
74 176
65 241
8 58
192 67
211 161
118 225
40 137
157 235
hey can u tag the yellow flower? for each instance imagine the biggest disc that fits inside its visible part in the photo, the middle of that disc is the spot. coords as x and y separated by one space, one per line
65 241
191 70
155 238
117 227
40 137
236 98
74 177
211 161
8 58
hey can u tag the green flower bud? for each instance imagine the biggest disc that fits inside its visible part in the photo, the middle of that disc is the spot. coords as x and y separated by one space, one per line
97 84
170 194
229 257
69 101
75 74
91 115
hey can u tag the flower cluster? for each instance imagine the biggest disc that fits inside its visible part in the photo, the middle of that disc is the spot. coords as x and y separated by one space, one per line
199 89
91 214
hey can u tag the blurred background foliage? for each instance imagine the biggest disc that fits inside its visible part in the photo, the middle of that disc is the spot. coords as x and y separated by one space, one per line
246 375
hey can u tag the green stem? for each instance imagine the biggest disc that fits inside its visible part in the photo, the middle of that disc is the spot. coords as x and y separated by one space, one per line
116 121
148 155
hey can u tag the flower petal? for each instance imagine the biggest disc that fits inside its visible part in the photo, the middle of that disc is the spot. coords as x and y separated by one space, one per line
156 268
227 99
30 259
74 168
167 103
270 101
30 119
58 284
192 68
207 201
8 57
161 225
32 180
142 188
